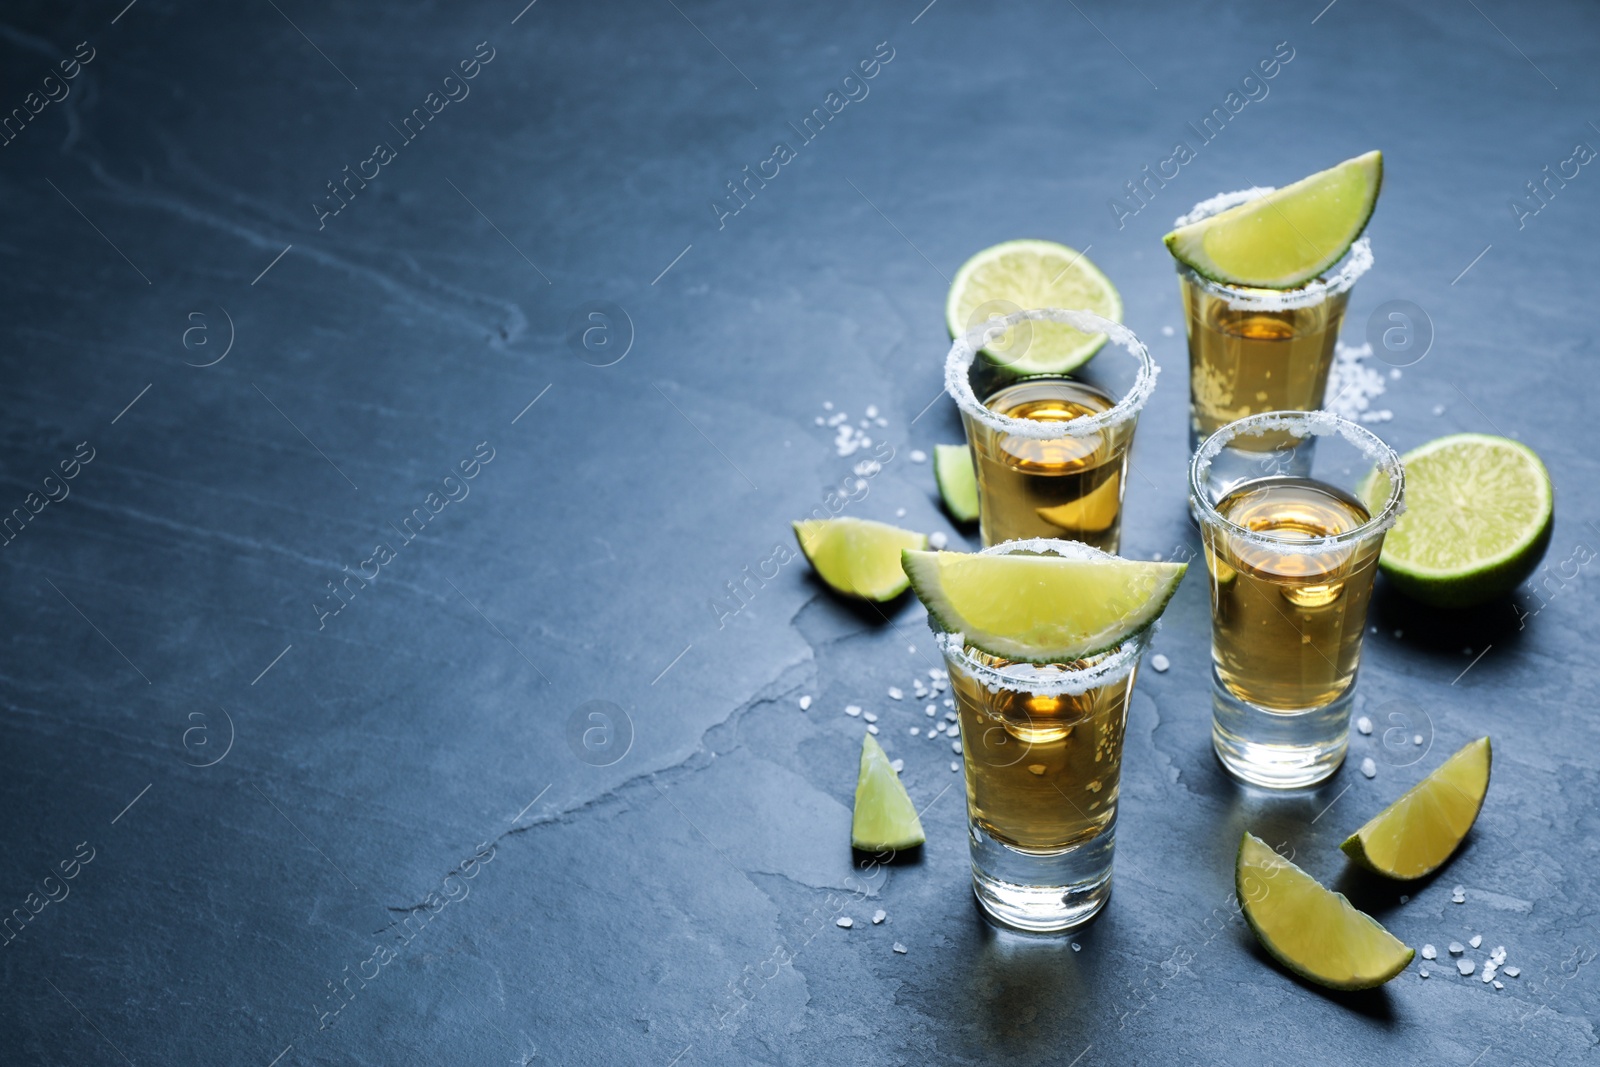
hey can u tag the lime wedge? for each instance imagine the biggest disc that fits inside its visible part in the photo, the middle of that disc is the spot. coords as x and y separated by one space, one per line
1479 510
1021 276
1313 931
1417 833
958 484
1094 513
884 819
857 557
1287 237
1044 608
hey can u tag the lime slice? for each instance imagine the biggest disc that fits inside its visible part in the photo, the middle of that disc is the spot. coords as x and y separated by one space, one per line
884 819
1287 237
857 557
1479 510
1313 931
958 483
1021 276
1417 833
1044 608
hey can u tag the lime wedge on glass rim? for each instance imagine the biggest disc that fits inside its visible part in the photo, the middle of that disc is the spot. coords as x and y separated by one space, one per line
1479 512
1313 931
1417 833
1287 237
958 481
1041 608
884 818
858 557
1021 276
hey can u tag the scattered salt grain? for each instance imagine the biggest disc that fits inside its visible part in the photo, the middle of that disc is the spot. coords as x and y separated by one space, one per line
916 731
1416 739
1166 331
899 513
898 765
1369 768
871 716
844 921
1394 373
1488 973
852 710
805 702
819 420
937 540
935 673
895 693
871 729
1498 984
1423 972
918 456
1429 952
911 649
1077 947
955 765
1465 966
1159 663
951 716
1438 409
1364 724
872 411
1512 972
1498 955
827 405
1458 895
955 746
878 916
1457 948
881 421
898 947
1404 897
930 710
1477 939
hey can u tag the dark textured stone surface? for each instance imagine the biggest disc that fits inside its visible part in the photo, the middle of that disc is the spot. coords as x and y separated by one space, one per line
677 905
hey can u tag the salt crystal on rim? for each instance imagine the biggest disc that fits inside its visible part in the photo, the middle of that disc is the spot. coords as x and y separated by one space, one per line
852 710
805 702
895 693
1429 952
878 916
1364 724
845 921
1369 768
1159 663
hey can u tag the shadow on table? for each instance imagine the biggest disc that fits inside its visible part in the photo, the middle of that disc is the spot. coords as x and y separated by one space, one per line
1374 1004
1444 632
1019 985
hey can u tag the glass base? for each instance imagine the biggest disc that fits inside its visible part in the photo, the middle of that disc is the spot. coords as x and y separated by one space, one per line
1041 892
1279 749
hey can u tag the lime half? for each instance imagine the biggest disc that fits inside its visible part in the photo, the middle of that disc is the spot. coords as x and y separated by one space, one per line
885 818
958 483
1313 931
857 557
1289 236
1021 276
1479 510
1041 608
1417 833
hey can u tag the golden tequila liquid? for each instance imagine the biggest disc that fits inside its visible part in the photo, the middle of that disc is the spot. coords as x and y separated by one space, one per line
1286 626
1066 487
1242 362
1042 771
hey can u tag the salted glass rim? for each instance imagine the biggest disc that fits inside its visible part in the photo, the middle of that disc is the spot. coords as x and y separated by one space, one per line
958 383
1300 423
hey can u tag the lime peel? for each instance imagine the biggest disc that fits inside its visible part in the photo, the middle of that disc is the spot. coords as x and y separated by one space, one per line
958 481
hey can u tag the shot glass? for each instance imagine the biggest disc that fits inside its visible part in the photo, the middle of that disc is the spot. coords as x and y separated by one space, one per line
1255 350
1043 758
1292 550
1051 451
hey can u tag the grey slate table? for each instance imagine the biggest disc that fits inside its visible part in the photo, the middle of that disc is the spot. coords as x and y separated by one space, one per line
532 350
